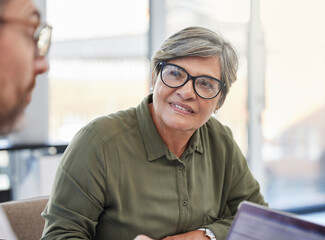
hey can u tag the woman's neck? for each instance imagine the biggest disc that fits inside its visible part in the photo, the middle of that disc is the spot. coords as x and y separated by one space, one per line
175 140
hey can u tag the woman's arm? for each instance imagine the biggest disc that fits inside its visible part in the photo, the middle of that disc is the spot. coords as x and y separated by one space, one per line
78 194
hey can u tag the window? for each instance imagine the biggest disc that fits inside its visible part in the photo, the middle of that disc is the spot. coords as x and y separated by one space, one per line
98 61
294 117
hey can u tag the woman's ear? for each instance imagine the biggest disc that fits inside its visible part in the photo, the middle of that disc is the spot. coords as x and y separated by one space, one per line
219 104
153 80
216 110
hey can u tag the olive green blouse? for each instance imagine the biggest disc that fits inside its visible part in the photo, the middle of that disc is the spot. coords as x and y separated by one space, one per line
118 179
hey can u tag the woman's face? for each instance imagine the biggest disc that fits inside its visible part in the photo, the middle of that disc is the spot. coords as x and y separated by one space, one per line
181 109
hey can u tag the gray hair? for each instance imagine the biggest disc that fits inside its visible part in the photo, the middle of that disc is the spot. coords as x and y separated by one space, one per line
202 42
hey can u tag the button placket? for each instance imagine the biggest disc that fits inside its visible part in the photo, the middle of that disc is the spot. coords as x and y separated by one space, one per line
181 168
183 196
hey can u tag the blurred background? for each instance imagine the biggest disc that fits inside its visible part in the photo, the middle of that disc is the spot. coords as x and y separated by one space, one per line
99 64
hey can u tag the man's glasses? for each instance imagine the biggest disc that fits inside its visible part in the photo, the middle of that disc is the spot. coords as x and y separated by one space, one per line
175 76
42 36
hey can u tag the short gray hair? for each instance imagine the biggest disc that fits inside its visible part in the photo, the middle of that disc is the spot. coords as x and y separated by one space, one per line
202 42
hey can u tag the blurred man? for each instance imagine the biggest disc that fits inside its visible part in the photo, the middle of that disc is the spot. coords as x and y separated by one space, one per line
24 42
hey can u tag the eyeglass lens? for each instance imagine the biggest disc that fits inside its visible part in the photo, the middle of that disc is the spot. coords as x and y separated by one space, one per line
42 35
43 39
174 76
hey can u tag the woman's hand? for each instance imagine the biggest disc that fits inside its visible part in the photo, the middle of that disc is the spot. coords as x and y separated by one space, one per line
142 237
194 235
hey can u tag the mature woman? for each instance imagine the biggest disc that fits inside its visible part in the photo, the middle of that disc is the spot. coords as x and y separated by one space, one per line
164 168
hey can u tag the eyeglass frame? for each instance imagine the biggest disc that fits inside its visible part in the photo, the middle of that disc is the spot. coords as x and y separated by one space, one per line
161 65
38 29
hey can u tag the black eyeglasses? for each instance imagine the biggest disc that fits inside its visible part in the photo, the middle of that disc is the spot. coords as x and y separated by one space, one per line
175 76
42 36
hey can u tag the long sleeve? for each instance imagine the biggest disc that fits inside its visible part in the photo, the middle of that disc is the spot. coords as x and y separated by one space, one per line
118 179
78 193
239 185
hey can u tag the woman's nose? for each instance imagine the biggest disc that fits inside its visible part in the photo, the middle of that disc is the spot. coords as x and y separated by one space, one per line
187 90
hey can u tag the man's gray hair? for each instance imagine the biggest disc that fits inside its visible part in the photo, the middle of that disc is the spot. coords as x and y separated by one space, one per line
202 42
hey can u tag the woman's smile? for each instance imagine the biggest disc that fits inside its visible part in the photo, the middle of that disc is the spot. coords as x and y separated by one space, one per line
183 108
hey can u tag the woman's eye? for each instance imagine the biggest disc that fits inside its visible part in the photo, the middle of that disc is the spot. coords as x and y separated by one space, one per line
175 73
205 84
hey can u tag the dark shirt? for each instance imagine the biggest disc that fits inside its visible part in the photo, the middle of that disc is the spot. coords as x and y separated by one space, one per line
118 179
